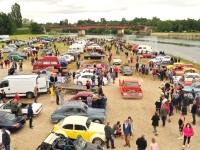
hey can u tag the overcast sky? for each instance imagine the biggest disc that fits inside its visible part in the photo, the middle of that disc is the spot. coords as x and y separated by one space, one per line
43 11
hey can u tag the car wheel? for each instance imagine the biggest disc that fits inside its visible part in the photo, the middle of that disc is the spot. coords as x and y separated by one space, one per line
80 83
29 95
97 121
74 91
97 141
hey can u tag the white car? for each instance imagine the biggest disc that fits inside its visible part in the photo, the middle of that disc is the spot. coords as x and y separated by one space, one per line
117 60
37 107
7 49
166 58
84 77
155 60
190 76
69 58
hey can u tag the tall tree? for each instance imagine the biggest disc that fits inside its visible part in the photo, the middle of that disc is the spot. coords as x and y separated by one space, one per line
164 26
7 24
16 14
36 28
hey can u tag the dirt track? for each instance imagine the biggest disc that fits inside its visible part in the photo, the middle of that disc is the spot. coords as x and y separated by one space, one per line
118 109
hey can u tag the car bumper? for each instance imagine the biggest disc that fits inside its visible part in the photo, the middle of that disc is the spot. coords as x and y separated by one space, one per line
38 111
130 97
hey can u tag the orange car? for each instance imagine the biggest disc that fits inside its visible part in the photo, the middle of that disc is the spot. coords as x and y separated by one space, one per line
130 88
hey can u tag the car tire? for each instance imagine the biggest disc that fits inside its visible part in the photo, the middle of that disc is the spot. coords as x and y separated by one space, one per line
97 121
29 95
74 92
97 141
80 83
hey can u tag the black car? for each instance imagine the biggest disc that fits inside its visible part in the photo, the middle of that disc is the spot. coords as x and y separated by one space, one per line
55 142
10 122
95 55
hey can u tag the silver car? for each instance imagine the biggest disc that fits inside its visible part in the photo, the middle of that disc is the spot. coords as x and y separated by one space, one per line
126 70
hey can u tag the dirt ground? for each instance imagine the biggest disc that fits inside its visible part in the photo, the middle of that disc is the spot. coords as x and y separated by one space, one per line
118 109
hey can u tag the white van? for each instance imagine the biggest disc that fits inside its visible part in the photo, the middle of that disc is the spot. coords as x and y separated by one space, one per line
4 38
76 47
24 85
144 48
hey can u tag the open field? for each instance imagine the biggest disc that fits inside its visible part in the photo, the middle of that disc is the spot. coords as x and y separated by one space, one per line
118 109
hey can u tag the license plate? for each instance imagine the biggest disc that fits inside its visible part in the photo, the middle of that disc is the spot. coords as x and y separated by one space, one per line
134 94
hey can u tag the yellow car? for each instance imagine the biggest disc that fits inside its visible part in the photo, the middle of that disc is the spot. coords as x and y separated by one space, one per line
73 126
173 66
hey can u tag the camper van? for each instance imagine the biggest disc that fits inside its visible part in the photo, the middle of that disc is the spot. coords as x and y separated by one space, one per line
4 38
77 48
24 85
144 48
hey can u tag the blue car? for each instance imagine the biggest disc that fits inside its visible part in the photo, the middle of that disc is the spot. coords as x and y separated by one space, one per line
63 62
195 86
10 122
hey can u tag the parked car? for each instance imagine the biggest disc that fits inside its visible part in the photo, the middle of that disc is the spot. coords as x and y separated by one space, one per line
94 55
117 60
130 88
83 78
15 58
155 60
10 122
191 76
125 70
195 86
20 44
7 49
63 61
37 107
164 63
69 58
73 126
81 96
20 54
29 49
12 46
78 108
148 55
56 142
187 70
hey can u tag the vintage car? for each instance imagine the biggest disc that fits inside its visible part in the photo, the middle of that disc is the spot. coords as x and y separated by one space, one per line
81 96
180 65
11 122
73 126
94 48
15 58
148 55
125 69
191 76
37 107
130 88
29 50
20 54
174 65
94 55
155 60
164 63
117 60
7 49
56 142
78 108
195 86
187 70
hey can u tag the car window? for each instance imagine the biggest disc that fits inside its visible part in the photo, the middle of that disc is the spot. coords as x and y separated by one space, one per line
4 83
9 116
46 62
198 87
80 127
89 76
197 76
189 76
68 126
84 76
79 110
70 110
131 84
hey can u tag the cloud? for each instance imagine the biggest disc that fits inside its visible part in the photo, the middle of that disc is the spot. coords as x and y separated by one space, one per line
55 10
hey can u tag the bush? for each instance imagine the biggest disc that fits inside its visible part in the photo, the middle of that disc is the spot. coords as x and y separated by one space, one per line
22 31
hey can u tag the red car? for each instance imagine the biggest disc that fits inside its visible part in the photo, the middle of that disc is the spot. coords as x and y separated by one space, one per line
81 96
130 88
148 55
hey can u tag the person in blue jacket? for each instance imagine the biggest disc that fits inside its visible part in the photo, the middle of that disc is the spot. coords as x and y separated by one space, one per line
30 115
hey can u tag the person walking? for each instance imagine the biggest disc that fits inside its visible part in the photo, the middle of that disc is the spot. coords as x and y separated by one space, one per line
188 131
141 143
89 101
163 114
5 139
13 106
3 96
181 125
127 132
30 115
62 95
57 95
20 65
19 109
109 136
51 93
35 92
154 145
130 120
194 111
155 122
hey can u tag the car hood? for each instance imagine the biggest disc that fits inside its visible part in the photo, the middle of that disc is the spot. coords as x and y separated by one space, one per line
95 111
96 127
90 146
116 60
187 88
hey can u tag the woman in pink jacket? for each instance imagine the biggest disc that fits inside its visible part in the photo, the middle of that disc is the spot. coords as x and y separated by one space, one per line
188 132
154 145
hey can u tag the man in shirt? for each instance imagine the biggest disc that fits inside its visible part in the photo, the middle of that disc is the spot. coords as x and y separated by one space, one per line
127 132
30 115
141 143
109 136
194 111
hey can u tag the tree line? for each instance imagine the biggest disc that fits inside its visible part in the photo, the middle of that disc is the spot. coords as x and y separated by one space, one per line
12 21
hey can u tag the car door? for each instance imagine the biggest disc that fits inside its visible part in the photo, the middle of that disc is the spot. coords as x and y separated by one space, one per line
69 112
69 130
80 112
81 130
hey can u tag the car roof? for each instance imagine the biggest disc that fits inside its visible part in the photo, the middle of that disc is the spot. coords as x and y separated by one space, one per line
74 104
130 80
84 93
75 120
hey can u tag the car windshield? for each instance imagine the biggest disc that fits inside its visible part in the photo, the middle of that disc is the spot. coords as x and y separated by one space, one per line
80 143
88 122
126 67
9 116
131 84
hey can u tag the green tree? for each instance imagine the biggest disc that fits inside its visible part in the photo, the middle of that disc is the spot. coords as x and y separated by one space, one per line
16 14
7 24
26 22
164 26
36 28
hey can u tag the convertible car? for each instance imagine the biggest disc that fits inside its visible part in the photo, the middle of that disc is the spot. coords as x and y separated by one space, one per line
37 107
95 55
56 142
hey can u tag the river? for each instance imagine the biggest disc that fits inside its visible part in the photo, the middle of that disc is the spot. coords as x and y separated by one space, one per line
187 49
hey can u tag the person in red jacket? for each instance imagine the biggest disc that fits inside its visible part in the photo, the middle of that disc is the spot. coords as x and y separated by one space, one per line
17 97
116 72
188 131
88 85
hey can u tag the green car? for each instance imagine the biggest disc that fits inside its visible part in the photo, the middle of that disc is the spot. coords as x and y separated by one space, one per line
15 58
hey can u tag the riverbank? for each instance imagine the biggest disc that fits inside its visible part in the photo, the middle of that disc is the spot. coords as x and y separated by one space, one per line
171 34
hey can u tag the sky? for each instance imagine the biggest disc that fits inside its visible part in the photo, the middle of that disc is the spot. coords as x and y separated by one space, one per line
43 11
